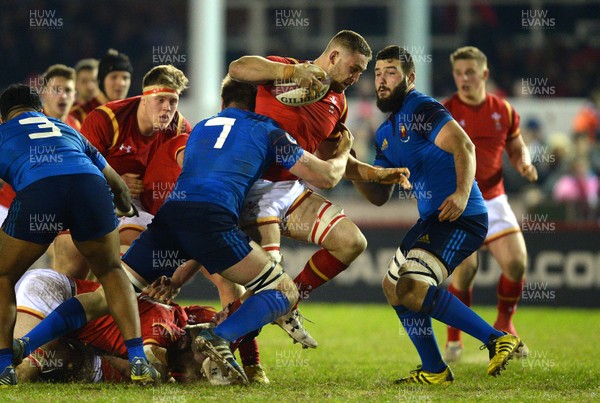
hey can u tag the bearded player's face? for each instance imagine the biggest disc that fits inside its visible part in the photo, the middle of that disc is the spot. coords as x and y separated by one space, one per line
160 109
391 85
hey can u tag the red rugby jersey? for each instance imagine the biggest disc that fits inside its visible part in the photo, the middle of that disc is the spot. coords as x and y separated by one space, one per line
113 129
162 325
161 173
490 125
80 111
7 194
309 124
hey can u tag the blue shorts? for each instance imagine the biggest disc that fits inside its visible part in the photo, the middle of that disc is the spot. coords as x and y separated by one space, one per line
450 242
180 231
81 203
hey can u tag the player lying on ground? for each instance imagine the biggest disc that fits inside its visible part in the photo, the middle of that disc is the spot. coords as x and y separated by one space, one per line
92 352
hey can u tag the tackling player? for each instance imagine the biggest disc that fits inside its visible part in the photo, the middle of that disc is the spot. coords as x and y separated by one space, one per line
278 199
61 182
493 126
452 217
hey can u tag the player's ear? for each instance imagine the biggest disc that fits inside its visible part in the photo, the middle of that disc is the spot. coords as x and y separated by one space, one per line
334 56
486 73
412 77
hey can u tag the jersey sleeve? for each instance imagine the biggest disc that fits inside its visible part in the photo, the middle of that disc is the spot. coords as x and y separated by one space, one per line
97 128
514 121
284 149
433 117
380 159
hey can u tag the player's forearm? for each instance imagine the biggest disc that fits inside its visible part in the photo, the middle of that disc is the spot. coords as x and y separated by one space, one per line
359 171
464 161
258 70
122 196
518 153
375 193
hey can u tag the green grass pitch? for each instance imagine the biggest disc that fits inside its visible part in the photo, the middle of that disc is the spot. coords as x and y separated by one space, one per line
363 350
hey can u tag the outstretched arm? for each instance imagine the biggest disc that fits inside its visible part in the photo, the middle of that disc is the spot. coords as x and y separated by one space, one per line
324 174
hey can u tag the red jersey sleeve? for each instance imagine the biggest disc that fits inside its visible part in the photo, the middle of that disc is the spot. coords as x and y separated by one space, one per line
514 121
97 128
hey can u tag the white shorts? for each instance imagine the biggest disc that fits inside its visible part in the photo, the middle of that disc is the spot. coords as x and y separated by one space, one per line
140 223
3 214
501 219
268 202
40 291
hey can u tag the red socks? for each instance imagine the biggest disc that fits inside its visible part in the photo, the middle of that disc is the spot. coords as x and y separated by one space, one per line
509 293
319 269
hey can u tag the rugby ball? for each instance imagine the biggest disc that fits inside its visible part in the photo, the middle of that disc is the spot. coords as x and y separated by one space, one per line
291 94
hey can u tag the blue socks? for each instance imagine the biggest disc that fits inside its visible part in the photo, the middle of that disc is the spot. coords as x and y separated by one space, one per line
66 318
260 309
135 348
6 357
445 307
418 328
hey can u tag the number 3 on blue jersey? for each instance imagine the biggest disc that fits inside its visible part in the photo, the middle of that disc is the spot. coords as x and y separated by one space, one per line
227 124
42 123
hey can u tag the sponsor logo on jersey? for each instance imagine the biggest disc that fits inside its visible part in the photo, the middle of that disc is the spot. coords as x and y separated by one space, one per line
384 145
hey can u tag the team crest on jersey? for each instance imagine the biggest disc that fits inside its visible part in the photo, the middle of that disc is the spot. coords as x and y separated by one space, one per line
404 137
496 116
384 145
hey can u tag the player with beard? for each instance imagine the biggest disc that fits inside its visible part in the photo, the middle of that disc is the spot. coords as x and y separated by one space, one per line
421 135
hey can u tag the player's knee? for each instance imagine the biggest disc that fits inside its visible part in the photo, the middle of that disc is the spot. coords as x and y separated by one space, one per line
515 269
272 277
406 294
389 291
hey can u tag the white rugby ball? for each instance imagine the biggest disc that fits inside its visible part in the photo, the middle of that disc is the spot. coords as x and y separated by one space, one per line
291 94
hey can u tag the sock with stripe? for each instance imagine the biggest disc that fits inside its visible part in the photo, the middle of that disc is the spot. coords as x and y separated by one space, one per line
445 307
320 268
66 318
260 309
418 328
466 297
509 293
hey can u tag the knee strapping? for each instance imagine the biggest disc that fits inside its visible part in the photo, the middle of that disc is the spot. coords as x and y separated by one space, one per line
393 272
328 216
419 265
268 279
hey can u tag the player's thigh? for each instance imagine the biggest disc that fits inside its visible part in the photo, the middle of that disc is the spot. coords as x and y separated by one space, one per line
67 258
17 255
102 253
464 273
316 219
249 267
264 234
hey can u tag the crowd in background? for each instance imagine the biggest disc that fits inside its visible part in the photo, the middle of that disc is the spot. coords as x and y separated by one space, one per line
567 58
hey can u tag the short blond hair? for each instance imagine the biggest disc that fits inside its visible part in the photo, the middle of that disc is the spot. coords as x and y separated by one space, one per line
58 70
167 75
469 53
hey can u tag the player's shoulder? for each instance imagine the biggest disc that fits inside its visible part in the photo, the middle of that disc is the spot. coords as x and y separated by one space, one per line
450 101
